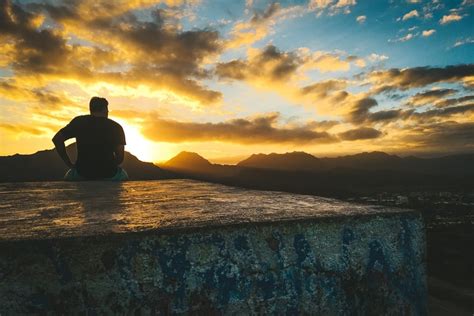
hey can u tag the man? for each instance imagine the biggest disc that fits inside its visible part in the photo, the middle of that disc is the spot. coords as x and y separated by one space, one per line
100 145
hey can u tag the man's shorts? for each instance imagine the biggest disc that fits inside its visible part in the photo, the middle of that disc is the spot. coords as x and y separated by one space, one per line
73 175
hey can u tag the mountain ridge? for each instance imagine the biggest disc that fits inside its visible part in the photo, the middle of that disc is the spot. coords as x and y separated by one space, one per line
46 165
376 160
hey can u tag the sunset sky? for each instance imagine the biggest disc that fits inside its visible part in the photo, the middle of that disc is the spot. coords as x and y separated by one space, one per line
227 79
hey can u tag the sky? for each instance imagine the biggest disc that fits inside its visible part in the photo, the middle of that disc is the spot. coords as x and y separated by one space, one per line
227 79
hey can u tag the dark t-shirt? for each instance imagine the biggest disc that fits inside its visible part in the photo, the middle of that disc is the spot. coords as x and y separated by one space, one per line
96 139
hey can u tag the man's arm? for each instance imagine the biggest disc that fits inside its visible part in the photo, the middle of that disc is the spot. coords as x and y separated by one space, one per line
58 141
119 154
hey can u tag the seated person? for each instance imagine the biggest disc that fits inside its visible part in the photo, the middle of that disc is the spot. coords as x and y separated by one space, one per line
100 145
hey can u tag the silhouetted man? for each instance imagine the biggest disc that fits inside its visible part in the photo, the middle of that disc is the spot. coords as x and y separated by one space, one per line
100 145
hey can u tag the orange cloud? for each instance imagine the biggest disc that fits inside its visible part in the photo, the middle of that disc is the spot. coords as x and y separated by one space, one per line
245 33
123 50
261 129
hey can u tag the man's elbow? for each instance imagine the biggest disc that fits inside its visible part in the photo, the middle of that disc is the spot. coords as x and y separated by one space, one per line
57 139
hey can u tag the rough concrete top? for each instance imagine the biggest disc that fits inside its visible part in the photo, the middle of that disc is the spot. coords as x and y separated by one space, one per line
69 209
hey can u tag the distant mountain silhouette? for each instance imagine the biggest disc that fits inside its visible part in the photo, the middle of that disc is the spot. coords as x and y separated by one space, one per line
296 160
296 172
344 176
188 161
46 165
299 161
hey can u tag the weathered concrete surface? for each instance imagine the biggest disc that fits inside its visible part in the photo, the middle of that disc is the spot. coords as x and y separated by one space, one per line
183 246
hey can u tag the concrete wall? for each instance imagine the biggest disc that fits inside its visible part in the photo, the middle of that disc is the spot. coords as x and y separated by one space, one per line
367 265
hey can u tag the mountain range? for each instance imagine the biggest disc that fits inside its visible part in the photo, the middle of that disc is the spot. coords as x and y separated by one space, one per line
297 172
461 164
46 165
300 172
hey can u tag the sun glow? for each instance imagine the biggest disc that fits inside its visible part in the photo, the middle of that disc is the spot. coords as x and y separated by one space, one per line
137 144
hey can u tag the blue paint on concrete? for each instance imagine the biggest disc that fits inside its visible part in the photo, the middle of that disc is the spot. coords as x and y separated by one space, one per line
241 243
368 267
58 261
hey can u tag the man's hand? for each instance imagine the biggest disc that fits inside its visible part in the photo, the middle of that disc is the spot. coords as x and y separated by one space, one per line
58 141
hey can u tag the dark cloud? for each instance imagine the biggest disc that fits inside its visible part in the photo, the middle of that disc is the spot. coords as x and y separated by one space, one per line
321 125
269 12
442 136
235 69
262 129
352 58
165 55
454 101
444 112
403 79
170 51
35 50
360 133
323 88
360 109
429 96
388 115
46 99
270 63
153 52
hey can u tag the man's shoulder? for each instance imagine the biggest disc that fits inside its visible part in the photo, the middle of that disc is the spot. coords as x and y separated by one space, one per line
81 118
114 124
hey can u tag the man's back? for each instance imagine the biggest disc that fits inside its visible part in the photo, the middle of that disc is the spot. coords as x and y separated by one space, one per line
97 139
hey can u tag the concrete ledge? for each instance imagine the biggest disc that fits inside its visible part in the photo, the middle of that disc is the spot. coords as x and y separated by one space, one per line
371 263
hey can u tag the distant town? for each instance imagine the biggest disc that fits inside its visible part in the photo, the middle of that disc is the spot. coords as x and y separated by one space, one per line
439 208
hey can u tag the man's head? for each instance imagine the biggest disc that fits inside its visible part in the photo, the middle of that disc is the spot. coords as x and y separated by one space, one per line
98 107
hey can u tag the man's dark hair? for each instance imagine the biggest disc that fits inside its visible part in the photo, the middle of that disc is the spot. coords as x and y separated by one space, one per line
98 104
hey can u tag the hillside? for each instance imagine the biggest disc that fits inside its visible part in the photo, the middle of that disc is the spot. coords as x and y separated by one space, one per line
46 165
375 161
344 176
289 161
189 161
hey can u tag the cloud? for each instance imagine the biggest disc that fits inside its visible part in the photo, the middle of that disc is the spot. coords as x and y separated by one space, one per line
22 129
445 112
326 62
408 78
429 97
405 38
408 37
427 33
261 129
450 18
360 133
454 101
152 52
361 19
271 68
377 58
465 41
34 49
409 15
245 33
282 72
388 116
323 88
442 136
40 102
359 109
269 63
331 6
